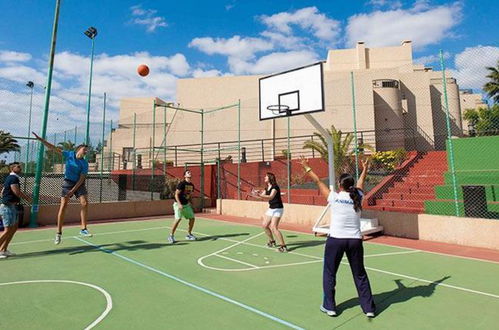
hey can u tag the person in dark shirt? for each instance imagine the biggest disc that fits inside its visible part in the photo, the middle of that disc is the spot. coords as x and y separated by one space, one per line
182 207
76 170
271 219
11 196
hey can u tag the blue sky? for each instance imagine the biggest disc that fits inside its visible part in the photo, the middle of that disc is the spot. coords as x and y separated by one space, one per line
183 39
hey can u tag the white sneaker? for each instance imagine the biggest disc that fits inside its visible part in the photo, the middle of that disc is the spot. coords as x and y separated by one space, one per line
171 239
85 233
3 255
190 237
327 311
9 254
58 239
370 314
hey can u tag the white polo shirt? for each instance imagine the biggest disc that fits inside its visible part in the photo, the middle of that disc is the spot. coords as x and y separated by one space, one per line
345 222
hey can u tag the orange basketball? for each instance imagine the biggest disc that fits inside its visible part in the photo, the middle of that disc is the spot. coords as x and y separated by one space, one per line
143 70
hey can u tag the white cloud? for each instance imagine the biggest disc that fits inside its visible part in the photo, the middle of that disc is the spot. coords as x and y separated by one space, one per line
200 73
470 66
11 56
385 3
236 46
285 41
430 59
23 74
422 24
309 19
272 63
148 18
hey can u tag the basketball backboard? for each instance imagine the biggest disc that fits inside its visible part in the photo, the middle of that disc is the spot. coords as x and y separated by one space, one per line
293 92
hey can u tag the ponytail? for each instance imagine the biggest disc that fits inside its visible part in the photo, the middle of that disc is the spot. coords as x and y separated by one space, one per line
347 183
357 200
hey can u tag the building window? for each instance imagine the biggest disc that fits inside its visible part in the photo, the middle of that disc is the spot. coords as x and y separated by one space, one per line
127 154
390 84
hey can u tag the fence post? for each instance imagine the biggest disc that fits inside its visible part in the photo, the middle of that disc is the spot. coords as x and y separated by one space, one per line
239 149
102 147
134 151
202 159
152 148
355 127
449 135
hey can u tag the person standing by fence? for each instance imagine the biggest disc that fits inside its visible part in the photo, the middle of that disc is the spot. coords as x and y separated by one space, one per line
11 196
76 170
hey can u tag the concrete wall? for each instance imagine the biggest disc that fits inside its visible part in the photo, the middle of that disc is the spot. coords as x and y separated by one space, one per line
108 210
446 229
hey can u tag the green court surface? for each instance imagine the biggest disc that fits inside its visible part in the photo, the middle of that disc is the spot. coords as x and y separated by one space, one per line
128 277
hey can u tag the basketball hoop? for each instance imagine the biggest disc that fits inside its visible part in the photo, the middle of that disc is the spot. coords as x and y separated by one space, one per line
278 109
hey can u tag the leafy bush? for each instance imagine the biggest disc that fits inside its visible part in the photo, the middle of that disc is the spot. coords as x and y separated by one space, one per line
169 188
389 160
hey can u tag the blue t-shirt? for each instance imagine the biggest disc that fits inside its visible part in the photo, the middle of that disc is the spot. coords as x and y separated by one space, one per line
74 166
8 195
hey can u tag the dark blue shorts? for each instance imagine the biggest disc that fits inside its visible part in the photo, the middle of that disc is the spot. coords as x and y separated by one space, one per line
67 185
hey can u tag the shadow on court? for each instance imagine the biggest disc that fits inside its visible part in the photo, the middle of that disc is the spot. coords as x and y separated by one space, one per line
215 237
109 248
400 294
303 244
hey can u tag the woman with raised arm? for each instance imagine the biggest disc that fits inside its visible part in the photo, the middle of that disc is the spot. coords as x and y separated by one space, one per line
271 218
74 184
344 237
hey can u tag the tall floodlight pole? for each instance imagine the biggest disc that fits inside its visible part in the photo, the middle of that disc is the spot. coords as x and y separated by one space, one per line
31 86
43 133
91 32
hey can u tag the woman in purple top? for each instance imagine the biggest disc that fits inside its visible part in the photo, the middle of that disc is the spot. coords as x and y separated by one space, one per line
75 173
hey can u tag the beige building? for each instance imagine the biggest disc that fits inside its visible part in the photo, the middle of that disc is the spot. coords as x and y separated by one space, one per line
398 104
469 100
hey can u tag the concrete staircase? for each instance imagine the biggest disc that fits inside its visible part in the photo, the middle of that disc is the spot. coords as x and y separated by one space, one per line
410 191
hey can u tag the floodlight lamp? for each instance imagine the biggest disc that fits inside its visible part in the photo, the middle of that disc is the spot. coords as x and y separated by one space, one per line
91 32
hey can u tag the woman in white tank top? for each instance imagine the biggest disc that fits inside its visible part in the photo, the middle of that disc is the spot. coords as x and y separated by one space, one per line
344 237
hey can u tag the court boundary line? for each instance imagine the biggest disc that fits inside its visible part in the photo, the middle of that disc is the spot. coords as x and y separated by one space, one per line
109 300
369 268
247 225
192 285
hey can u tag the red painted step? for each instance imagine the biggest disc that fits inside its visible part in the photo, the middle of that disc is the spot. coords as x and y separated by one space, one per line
408 196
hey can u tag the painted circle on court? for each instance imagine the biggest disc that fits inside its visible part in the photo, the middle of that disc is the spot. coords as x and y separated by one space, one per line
109 300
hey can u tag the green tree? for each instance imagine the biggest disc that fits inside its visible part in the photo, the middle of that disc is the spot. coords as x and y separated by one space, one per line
492 86
342 147
66 145
7 142
485 120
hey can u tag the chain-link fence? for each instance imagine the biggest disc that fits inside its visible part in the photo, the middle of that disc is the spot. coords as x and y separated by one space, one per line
430 128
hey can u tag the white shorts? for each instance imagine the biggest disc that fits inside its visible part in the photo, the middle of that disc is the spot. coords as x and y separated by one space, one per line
274 212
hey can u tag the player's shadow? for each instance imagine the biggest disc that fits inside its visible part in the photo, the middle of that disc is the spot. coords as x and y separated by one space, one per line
303 244
108 248
400 294
216 237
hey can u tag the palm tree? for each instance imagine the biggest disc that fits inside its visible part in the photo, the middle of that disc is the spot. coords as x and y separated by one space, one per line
492 87
7 142
341 147
66 145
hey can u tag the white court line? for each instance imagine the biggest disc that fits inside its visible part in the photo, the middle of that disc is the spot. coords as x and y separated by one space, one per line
320 258
437 253
235 260
97 234
194 286
247 225
390 254
200 260
109 300
432 282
